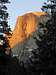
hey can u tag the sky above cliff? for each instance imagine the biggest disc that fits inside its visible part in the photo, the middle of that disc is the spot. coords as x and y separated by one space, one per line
19 7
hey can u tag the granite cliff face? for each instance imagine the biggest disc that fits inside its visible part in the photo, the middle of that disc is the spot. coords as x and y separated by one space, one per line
25 25
21 41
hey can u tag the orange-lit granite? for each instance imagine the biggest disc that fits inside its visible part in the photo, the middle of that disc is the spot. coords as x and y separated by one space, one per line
25 25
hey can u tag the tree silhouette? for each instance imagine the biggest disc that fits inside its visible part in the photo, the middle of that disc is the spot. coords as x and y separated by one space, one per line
47 49
4 30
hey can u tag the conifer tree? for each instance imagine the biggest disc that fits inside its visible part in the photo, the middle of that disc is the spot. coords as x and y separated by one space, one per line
47 45
4 29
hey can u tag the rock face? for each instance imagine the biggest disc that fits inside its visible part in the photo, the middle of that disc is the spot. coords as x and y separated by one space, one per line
25 25
21 38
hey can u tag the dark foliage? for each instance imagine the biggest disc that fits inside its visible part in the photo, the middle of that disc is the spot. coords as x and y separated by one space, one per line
4 1
47 46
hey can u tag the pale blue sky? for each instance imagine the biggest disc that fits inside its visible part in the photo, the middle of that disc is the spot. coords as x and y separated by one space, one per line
19 7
